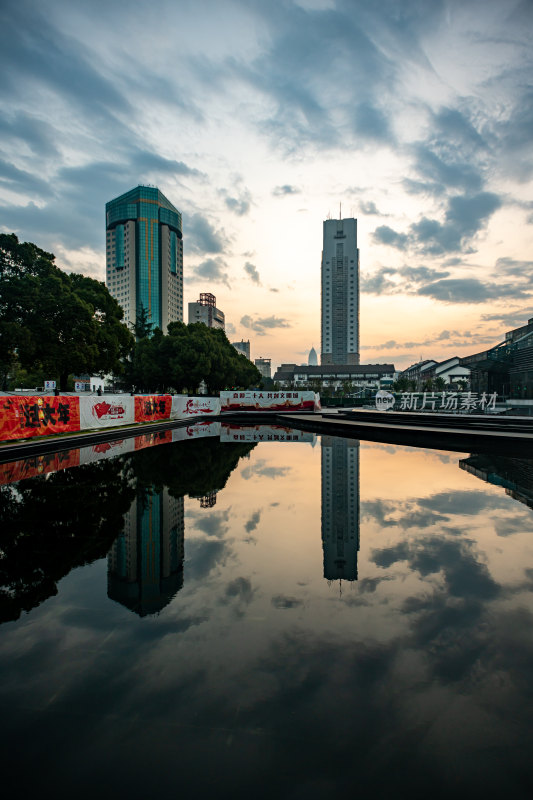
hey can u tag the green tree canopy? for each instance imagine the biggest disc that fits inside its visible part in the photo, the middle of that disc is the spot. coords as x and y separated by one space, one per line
186 356
60 323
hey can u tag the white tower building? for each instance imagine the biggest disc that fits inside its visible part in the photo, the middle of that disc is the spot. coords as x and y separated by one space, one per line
340 293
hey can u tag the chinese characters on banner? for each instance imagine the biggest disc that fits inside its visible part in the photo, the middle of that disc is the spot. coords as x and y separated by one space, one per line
269 401
23 417
464 402
151 407
15 471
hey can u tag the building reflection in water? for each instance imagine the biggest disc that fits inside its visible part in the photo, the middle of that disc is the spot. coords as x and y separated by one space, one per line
515 475
145 563
340 507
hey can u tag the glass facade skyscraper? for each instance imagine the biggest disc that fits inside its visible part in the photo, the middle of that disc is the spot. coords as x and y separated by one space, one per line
340 292
144 256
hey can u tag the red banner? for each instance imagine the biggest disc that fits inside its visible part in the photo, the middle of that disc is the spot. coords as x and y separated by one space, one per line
151 439
38 465
151 407
24 417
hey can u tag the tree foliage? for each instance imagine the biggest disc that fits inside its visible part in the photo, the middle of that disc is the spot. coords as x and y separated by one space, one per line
186 356
53 321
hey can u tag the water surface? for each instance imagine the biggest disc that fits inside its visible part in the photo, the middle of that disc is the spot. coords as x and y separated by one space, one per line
275 614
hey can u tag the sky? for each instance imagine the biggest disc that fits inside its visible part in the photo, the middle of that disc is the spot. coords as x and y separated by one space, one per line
258 120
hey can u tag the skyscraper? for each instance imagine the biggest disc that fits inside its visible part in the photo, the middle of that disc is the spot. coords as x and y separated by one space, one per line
340 293
340 507
144 256
145 563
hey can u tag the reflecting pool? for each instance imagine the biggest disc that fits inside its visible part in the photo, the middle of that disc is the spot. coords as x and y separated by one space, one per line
220 612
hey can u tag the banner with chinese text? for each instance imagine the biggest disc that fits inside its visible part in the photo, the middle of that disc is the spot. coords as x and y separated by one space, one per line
183 406
263 433
152 407
270 401
15 471
98 452
106 411
197 431
33 415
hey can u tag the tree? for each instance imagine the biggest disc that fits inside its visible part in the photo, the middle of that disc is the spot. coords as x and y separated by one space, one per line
186 356
401 385
440 383
53 321
142 327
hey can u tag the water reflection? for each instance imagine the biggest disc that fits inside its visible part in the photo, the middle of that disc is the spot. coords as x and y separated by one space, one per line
415 679
340 507
145 563
515 475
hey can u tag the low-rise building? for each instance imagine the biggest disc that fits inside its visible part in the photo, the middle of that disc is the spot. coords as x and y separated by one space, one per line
205 310
264 365
361 376
243 347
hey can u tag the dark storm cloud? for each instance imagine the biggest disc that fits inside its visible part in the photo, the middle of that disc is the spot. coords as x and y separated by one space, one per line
32 52
238 205
283 191
471 290
252 273
511 266
18 180
438 285
369 208
283 601
510 319
410 279
202 556
76 215
466 216
203 238
303 47
464 574
369 585
253 522
262 470
511 525
23 127
263 324
467 503
384 234
215 523
457 174
448 338
211 270
380 282
239 589
371 123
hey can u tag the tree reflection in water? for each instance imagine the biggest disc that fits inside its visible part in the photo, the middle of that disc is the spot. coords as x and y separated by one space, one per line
52 523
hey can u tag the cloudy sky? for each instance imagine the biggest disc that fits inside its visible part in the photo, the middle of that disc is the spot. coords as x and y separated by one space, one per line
258 119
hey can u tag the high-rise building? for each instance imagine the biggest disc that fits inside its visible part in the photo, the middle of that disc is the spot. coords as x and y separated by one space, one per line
340 292
145 563
205 310
340 507
264 365
243 347
144 256
312 359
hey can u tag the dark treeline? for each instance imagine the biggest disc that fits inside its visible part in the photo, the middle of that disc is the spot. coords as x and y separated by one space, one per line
52 523
186 356
54 325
